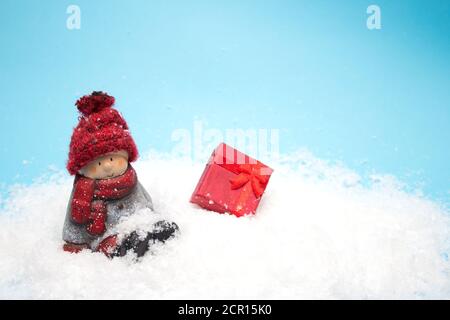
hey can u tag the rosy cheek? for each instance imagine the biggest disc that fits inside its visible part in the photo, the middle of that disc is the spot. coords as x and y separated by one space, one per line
122 162
93 170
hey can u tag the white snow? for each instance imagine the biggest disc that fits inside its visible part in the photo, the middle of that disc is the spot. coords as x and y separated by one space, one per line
318 234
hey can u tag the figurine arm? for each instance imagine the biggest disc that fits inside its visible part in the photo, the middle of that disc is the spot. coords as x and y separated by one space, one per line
148 200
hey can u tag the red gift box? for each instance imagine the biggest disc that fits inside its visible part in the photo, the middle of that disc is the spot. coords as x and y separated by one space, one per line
232 182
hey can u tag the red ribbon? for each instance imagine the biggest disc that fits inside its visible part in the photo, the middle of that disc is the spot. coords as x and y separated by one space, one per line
250 173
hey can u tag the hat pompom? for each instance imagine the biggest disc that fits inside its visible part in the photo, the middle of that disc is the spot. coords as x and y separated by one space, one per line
95 102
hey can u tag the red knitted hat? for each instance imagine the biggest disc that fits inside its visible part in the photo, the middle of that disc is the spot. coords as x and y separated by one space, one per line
101 130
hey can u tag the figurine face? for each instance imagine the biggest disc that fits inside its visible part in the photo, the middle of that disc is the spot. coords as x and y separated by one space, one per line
108 166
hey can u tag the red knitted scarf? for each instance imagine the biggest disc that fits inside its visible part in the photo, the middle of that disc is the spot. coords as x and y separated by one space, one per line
90 197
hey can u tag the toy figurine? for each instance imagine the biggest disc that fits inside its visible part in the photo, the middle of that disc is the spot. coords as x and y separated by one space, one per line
106 188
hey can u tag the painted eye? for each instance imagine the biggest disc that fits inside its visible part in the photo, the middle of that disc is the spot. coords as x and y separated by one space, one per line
99 163
111 159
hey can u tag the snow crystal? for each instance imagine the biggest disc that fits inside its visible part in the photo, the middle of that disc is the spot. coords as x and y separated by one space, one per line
318 233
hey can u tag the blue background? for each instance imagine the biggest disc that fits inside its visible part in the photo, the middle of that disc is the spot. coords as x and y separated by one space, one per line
379 101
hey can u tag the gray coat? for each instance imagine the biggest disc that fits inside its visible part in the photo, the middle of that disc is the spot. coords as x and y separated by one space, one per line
77 234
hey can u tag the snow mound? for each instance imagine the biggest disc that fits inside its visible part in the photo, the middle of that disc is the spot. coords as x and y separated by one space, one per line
319 233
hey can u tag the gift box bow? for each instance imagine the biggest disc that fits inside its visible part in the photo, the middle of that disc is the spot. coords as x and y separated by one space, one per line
253 173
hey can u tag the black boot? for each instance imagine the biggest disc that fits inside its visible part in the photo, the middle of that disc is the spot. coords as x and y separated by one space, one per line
162 231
